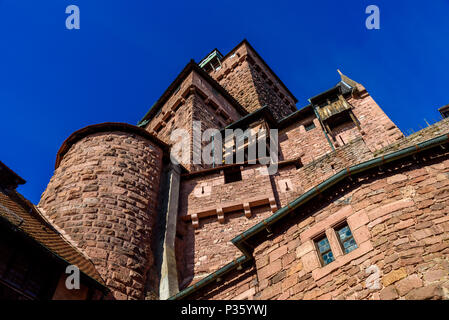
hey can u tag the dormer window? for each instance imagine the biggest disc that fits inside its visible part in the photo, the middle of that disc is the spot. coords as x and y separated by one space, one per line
212 61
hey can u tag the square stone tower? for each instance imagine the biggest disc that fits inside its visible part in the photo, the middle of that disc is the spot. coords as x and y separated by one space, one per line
249 79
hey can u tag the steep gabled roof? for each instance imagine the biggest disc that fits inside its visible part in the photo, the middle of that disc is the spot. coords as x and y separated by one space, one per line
8 178
21 215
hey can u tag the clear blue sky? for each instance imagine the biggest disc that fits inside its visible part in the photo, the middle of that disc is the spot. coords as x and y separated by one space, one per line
54 81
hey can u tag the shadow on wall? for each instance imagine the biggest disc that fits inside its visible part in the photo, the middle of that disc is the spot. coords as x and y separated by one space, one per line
353 192
202 251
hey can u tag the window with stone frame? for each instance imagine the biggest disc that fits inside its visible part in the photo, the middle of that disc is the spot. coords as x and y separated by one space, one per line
324 250
345 237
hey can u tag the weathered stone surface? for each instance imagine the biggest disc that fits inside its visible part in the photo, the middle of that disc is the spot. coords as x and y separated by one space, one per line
295 268
435 275
104 197
404 286
112 217
406 247
425 293
389 293
394 276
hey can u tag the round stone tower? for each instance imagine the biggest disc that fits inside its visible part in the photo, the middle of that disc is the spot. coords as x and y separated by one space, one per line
103 196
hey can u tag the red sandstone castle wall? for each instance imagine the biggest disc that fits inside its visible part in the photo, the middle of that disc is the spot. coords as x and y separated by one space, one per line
296 142
204 193
400 220
205 249
195 100
377 131
205 246
249 81
175 113
219 106
313 173
104 195
380 131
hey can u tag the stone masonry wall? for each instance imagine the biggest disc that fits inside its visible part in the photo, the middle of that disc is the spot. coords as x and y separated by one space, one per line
433 131
295 142
205 245
195 100
379 130
251 83
205 194
205 250
202 193
399 216
175 113
291 182
103 196
344 133
219 105
237 80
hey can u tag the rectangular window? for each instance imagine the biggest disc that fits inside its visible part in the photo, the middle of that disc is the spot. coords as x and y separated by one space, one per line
346 238
158 129
324 250
309 126
232 174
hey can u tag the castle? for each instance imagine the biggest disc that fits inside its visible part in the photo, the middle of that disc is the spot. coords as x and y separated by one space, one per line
355 210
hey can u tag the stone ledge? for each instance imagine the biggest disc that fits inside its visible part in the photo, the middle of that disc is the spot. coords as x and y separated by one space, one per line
340 261
229 207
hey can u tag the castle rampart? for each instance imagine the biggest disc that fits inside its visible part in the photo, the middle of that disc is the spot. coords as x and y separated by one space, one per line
104 195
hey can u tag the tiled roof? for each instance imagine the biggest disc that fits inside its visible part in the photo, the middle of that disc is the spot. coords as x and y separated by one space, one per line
9 178
25 217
